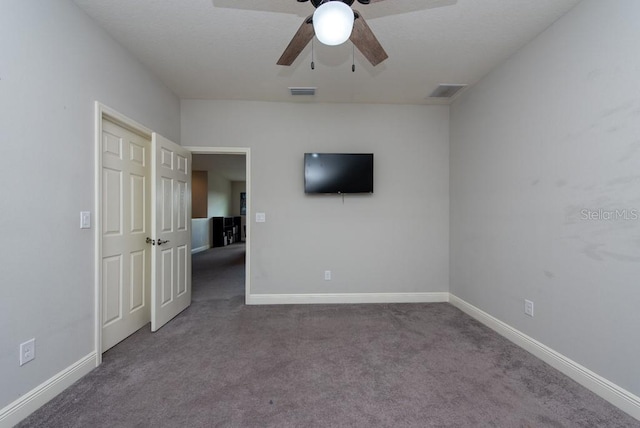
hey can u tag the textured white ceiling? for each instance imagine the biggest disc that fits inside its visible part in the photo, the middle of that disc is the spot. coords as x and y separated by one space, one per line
227 49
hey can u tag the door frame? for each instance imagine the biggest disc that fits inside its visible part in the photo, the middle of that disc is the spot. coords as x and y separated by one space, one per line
104 112
246 151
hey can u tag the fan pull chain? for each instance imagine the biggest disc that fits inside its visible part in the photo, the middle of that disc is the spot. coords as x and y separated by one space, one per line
313 65
353 57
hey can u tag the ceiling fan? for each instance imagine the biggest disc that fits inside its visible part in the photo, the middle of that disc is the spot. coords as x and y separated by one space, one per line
361 36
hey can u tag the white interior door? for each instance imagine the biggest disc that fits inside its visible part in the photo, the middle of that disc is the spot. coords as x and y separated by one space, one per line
171 259
126 257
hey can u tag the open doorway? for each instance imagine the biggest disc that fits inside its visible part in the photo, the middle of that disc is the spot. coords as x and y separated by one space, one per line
220 230
160 147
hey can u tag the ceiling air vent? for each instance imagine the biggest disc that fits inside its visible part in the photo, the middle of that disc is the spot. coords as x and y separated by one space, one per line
303 91
446 91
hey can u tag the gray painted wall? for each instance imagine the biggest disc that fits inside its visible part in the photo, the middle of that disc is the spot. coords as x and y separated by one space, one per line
396 240
219 195
54 63
551 133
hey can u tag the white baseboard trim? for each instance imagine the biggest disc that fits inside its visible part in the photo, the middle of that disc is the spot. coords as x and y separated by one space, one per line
606 389
200 249
41 394
290 299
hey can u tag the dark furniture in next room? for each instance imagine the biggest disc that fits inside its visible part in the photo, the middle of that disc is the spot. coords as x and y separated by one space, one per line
226 230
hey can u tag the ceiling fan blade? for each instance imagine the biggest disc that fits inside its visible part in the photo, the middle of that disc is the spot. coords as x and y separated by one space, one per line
366 42
301 39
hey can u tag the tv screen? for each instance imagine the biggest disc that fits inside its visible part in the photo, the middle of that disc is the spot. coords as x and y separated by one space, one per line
338 172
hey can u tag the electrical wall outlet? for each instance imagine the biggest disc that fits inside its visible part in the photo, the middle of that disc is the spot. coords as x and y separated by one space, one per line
27 351
327 275
528 307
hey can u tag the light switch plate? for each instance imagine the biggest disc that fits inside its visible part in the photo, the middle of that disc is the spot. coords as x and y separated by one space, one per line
85 219
261 217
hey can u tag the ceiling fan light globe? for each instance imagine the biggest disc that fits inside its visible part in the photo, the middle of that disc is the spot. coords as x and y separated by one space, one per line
333 23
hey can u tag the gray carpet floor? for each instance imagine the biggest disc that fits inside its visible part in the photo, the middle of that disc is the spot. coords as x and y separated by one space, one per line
223 364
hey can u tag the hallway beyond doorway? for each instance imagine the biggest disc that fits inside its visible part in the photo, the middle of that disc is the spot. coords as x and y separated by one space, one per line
218 273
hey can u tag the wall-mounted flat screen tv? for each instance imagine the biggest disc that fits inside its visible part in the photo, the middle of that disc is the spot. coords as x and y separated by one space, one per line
338 172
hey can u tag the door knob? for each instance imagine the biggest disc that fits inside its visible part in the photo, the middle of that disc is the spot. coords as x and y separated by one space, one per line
151 241
160 241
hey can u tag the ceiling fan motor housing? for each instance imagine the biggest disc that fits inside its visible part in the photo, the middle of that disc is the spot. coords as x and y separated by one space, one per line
317 3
